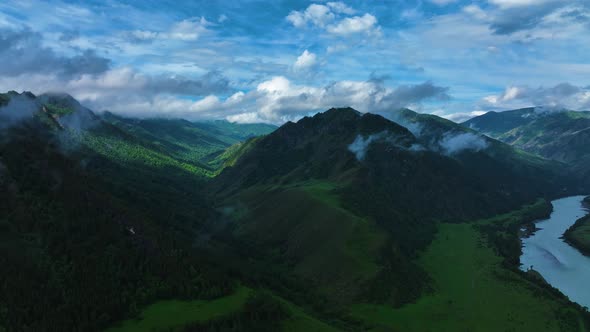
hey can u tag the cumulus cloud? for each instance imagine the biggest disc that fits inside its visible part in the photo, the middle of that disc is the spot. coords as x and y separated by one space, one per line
21 52
279 100
357 24
275 100
564 95
318 15
305 61
335 18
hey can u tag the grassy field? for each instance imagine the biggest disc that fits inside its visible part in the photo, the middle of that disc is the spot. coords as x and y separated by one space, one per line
301 321
175 314
472 293
166 315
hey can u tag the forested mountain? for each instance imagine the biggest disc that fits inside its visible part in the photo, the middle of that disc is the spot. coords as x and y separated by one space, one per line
78 251
340 221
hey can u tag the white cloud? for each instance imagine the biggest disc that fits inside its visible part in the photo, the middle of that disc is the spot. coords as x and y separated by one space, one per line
335 18
357 24
305 61
452 144
315 14
341 8
278 100
185 30
461 116
563 95
475 11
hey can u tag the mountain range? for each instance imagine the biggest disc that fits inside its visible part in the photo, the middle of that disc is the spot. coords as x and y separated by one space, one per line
340 221
556 134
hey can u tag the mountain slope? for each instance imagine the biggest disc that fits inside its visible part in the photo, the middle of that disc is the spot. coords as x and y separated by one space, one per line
76 256
380 172
94 220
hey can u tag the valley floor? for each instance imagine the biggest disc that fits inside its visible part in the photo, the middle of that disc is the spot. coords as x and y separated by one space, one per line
473 292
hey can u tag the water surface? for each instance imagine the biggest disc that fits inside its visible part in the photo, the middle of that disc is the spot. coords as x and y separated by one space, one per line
563 266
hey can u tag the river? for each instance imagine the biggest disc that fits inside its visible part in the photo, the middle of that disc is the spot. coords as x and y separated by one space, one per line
563 266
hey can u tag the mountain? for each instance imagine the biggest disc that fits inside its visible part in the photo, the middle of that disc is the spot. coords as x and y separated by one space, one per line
366 194
76 254
560 135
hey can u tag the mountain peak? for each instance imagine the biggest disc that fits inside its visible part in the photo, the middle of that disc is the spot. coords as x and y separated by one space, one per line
341 111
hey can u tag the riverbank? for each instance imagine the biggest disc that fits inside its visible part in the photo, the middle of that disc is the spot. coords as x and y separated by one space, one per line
578 236
561 265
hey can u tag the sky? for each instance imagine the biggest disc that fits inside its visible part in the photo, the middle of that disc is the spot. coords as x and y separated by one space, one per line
276 61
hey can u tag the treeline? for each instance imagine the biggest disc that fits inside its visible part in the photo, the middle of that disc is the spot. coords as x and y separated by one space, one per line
261 313
76 258
503 232
570 236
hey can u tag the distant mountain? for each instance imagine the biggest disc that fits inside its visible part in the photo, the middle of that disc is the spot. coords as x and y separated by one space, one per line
196 142
560 135
341 180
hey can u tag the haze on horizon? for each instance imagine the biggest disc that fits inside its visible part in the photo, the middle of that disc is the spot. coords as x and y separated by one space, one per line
260 61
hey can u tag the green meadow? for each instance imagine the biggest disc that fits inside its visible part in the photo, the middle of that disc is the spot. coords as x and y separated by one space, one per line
473 292
176 314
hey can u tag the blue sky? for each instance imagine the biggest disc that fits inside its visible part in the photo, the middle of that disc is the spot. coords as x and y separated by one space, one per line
273 61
